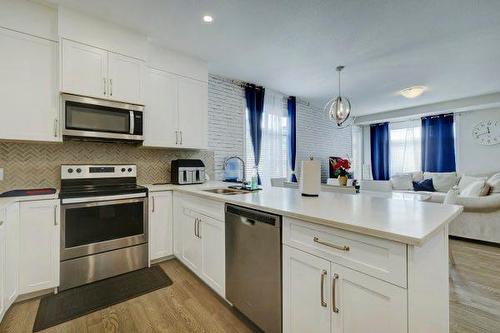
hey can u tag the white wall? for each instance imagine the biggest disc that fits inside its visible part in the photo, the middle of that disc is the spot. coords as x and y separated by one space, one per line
473 158
319 137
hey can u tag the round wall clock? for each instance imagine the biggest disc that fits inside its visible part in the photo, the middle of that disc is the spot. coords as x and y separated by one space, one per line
487 132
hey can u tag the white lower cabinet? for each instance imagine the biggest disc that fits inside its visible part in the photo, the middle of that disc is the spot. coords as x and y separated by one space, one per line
39 231
200 241
11 254
321 296
3 270
160 225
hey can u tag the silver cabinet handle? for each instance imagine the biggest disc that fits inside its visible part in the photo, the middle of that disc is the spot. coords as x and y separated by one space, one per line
195 222
199 234
176 137
181 136
55 128
1 223
110 87
153 202
323 275
104 80
334 285
338 247
55 215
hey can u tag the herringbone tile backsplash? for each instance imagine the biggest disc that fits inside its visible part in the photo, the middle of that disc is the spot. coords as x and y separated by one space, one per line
28 165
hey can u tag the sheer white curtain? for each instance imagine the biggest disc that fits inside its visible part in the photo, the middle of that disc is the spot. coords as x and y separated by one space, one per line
274 147
405 146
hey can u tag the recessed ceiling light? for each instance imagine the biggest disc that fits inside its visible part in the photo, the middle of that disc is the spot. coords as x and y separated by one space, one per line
208 19
413 92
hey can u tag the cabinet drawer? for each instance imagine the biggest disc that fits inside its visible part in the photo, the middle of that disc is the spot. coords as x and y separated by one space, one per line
377 257
210 208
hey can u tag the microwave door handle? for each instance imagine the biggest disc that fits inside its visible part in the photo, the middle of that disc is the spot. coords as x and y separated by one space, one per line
132 125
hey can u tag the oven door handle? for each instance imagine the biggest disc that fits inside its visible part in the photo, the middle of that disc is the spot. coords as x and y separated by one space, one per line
103 198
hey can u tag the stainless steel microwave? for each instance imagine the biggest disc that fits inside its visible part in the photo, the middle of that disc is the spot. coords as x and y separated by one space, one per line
97 119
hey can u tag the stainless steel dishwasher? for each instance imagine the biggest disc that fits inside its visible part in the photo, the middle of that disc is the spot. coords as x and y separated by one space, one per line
253 265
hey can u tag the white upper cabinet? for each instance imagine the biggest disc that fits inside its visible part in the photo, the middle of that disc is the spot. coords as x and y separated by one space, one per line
94 72
39 233
125 78
161 116
176 111
160 225
193 113
28 88
84 69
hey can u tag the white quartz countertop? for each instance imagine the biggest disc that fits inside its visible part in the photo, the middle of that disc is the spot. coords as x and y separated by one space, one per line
403 219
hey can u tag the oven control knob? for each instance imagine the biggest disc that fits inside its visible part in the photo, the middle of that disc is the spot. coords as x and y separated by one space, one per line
123 169
129 169
70 170
78 170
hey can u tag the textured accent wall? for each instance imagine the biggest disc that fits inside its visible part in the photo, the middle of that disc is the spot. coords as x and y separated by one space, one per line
319 137
226 120
29 165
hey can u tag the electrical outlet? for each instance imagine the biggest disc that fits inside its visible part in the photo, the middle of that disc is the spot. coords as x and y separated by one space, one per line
1 174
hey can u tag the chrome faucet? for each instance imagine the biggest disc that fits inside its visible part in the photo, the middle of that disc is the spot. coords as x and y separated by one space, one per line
226 161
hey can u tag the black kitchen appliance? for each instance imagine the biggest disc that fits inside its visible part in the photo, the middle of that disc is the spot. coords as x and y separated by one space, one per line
188 171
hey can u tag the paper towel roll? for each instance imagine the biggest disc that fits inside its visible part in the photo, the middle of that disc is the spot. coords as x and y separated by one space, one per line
310 178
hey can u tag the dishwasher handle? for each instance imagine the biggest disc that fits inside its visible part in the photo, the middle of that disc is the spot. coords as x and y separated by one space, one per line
250 216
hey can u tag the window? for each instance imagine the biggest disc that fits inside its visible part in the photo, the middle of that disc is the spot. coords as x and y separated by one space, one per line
274 146
405 146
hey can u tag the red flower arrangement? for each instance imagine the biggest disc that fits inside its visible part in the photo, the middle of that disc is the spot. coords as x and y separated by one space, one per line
340 166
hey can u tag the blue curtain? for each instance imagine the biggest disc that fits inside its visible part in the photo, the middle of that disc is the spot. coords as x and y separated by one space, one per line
292 135
438 143
255 104
379 142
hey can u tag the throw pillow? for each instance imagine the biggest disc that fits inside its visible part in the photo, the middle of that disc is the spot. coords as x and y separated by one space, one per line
442 181
401 182
424 185
494 183
417 175
451 197
467 180
475 189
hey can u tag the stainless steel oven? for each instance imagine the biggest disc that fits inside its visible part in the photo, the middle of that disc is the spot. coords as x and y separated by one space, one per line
92 118
104 223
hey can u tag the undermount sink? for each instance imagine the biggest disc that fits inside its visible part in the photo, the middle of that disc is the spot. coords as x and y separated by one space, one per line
226 191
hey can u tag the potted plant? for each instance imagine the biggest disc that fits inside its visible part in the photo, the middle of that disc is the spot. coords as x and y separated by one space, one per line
341 167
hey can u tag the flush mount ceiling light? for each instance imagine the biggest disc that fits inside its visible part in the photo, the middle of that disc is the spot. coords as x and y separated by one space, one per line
208 19
413 92
339 108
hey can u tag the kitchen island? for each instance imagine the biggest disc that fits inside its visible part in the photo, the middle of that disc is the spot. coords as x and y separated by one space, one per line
351 263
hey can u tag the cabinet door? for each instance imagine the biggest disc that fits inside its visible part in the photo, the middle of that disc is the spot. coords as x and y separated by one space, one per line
161 116
28 88
11 253
306 292
160 225
191 244
125 78
366 304
213 252
193 113
84 70
39 245
2 263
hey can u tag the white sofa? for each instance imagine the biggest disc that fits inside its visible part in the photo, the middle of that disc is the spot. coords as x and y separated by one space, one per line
480 219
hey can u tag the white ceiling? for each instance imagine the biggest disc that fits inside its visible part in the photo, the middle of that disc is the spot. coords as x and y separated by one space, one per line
451 46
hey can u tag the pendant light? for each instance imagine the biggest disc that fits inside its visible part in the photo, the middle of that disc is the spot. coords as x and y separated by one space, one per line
339 108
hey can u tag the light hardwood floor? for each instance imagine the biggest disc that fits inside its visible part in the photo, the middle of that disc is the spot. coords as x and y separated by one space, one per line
474 288
189 306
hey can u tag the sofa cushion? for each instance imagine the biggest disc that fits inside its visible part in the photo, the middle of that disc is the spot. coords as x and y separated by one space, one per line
475 189
467 180
402 182
494 183
442 181
451 197
424 185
